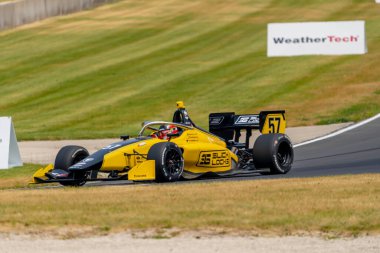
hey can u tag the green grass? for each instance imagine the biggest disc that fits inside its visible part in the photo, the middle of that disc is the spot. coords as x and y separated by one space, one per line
100 73
353 113
18 176
25 170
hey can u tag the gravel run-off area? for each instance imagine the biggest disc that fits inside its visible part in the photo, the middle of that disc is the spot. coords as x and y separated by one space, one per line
125 242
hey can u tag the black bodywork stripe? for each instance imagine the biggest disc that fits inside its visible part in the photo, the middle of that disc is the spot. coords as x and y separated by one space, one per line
95 161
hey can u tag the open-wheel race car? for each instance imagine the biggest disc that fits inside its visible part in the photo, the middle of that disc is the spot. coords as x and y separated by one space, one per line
167 151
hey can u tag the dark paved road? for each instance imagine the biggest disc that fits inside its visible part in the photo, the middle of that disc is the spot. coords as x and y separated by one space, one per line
353 152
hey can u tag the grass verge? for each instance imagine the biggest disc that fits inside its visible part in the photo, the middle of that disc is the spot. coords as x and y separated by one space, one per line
18 176
342 205
101 72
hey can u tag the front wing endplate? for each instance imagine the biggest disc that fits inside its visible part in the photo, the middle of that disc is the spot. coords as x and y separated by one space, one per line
144 171
39 175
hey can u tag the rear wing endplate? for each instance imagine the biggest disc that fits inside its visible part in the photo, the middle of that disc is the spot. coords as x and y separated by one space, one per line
228 125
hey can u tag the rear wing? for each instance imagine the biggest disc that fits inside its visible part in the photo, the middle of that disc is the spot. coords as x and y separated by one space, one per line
228 125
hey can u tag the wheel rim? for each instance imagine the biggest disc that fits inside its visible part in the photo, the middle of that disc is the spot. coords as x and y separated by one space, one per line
79 158
284 155
174 162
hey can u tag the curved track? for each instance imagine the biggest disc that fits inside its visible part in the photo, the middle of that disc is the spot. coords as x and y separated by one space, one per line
352 152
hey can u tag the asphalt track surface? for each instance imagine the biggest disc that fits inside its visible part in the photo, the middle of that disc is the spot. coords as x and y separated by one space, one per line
356 151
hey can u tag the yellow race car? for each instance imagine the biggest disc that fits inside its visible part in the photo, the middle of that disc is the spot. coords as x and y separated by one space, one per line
168 151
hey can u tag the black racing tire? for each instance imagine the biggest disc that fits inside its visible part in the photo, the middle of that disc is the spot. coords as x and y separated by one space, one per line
70 155
169 161
273 151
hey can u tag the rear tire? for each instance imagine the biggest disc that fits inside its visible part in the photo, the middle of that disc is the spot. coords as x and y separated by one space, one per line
169 161
273 151
68 156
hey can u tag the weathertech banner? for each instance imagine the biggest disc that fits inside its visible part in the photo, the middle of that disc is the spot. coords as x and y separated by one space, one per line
316 38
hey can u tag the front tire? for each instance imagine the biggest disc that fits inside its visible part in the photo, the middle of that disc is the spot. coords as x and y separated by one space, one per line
273 151
169 161
68 156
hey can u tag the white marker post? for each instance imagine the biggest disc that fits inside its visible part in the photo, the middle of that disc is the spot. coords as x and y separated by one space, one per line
9 152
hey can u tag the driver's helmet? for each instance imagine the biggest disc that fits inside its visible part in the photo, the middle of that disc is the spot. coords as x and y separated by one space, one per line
164 130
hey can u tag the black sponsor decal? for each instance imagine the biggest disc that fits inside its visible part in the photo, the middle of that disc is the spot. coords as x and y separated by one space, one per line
214 159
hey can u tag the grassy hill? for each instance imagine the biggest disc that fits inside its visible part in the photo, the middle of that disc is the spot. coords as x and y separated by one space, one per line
100 73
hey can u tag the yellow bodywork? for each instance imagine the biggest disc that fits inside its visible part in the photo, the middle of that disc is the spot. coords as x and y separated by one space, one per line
143 171
202 152
180 105
274 123
41 173
129 156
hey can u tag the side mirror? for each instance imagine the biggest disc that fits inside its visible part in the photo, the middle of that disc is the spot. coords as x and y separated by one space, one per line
124 137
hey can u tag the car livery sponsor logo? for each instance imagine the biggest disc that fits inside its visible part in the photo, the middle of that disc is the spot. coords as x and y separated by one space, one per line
218 158
307 39
112 146
56 174
143 175
186 119
138 159
216 120
247 120
83 162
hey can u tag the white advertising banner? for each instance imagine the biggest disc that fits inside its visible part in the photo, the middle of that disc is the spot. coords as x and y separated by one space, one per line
317 38
9 152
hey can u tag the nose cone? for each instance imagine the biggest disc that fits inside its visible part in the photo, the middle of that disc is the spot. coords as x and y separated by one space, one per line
95 161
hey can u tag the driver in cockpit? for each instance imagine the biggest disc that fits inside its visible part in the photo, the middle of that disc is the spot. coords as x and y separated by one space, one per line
164 130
